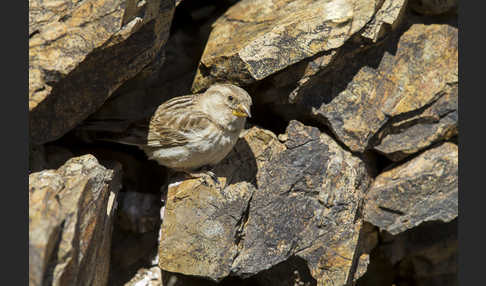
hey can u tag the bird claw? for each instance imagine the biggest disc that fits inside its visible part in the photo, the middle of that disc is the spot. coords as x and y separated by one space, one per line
205 175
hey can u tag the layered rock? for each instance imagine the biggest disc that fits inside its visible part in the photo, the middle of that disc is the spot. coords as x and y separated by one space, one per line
303 202
71 213
80 53
391 89
255 39
423 189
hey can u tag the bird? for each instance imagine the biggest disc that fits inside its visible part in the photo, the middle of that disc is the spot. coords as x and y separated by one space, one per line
193 133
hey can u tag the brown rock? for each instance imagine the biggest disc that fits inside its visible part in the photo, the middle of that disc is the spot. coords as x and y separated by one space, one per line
305 207
70 222
423 189
255 39
387 18
388 84
409 135
80 54
200 228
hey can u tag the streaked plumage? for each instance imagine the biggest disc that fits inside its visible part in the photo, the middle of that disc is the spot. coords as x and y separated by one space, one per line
191 131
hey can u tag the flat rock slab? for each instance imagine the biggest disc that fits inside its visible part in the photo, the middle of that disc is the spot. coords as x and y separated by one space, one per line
71 213
423 189
390 89
255 39
303 202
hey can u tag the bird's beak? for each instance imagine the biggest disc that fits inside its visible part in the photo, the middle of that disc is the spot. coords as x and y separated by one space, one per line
241 111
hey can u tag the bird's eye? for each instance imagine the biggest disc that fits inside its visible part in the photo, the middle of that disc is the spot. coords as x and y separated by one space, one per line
230 98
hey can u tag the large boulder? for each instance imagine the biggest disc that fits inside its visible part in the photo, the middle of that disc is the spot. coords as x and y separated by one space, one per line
255 39
280 201
81 52
403 92
71 214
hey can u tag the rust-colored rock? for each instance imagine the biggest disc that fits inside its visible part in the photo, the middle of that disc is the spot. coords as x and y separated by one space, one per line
71 213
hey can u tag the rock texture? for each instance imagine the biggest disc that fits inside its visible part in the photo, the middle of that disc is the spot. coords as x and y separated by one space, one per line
305 205
360 187
71 213
81 52
255 39
393 84
423 189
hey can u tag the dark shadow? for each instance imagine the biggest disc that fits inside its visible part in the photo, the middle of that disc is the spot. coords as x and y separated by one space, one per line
424 255
239 166
129 253
293 271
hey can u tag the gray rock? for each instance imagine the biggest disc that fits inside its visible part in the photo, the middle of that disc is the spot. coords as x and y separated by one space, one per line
423 189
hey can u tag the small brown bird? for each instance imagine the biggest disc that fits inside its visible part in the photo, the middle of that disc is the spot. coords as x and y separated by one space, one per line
189 132
192 131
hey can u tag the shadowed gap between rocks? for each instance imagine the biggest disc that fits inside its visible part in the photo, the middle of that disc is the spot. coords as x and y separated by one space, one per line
423 255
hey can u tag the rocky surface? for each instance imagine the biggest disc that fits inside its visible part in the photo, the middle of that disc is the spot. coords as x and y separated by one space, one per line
392 85
423 189
255 39
360 187
76 51
312 200
71 212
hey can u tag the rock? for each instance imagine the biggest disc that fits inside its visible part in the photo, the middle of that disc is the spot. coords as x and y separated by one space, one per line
79 54
423 189
139 97
433 7
200 227
436 123
139 212
388 17
70 222
255 39
147 277
305 207
392 83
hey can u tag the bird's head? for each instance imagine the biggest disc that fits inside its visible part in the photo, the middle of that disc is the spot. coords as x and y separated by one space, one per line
228 103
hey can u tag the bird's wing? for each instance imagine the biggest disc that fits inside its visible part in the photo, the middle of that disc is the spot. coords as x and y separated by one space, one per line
174 121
